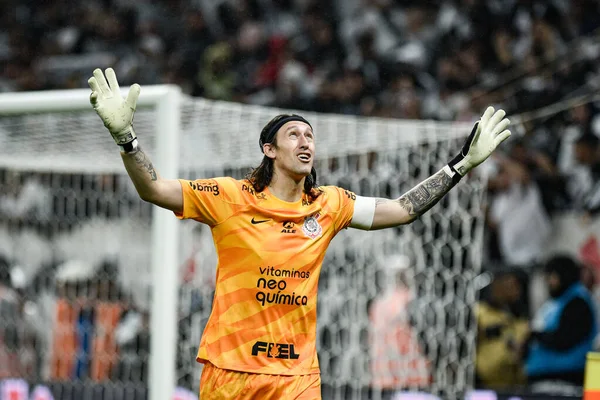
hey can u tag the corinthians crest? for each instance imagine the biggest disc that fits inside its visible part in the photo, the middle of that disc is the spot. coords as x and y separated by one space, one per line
311 227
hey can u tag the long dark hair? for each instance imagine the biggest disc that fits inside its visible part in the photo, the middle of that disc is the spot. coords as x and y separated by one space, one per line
261 176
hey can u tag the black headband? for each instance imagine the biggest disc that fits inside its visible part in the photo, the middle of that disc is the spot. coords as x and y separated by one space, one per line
270 134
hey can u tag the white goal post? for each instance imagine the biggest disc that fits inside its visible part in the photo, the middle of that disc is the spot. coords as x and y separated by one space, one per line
166 102
58 135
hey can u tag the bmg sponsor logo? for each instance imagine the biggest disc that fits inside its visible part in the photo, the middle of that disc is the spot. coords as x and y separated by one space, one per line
205 186
275 350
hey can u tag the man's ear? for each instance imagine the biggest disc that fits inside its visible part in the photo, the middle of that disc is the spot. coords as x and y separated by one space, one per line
269 150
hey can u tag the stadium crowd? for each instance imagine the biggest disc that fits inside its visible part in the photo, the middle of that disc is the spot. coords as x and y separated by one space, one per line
440 60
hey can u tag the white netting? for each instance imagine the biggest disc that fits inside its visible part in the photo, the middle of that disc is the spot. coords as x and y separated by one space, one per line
64 142
90 213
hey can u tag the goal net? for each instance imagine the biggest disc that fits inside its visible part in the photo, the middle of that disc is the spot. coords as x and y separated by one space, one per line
395 306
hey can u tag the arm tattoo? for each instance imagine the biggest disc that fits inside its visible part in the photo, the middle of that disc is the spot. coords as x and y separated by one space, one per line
425 195
140 158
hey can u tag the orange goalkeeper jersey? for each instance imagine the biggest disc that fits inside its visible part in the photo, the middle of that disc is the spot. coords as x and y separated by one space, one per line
270 253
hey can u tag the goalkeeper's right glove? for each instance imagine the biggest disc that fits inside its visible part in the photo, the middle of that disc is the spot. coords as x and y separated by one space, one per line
115 112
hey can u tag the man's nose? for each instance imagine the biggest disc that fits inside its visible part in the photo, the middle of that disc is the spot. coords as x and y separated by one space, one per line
303 142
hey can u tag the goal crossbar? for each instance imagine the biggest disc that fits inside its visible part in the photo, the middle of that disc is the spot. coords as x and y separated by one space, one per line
15 103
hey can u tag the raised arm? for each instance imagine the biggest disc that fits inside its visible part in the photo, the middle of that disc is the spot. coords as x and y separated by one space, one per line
375 213
117 115
412 204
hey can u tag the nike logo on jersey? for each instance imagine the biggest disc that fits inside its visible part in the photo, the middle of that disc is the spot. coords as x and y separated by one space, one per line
254 222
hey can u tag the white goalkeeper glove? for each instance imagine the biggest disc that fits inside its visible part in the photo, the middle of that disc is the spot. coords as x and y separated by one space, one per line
115 112
486 135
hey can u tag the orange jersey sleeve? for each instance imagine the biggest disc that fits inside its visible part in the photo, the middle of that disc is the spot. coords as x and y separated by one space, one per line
270 254
341 202
209 201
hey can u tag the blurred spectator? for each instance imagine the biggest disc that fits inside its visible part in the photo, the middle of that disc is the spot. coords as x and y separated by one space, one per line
25 199
517 214
294 87
88 309
564 328
216 80
518 220
19 349
578 121
10 367
587 154
397 361
72 323
402 99
542 172
196 39
132 337
108 308
500 334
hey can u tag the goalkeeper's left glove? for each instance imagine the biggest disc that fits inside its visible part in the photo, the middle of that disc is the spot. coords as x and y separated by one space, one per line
486 135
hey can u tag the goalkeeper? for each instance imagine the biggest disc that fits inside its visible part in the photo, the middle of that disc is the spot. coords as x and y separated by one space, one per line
271 231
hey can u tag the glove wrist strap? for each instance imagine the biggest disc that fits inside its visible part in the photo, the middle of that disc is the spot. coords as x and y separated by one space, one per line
451 172
129 147
124 136
459 165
